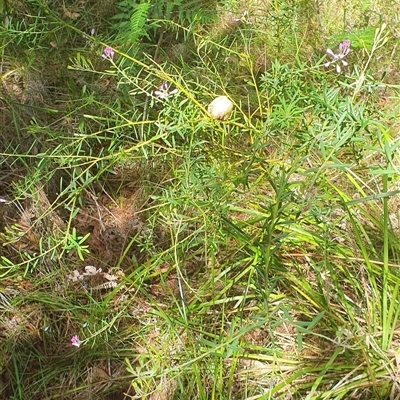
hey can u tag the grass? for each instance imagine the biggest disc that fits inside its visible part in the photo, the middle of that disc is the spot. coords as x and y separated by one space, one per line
253 258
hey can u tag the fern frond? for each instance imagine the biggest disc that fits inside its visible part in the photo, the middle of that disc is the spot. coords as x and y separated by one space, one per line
138 22
80 63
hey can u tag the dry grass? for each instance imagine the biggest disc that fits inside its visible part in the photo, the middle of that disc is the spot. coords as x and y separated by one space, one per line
238 259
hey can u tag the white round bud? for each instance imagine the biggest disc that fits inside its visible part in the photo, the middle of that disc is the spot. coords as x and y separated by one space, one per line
220 108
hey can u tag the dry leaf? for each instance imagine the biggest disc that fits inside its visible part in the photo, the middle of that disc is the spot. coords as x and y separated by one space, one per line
71 14
98 375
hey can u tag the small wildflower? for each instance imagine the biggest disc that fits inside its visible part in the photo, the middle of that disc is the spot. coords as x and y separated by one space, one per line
75 341
243 19
338 58
87 37
108 53
163 92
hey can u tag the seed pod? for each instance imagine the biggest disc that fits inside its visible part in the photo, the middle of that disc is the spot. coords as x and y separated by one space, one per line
220 108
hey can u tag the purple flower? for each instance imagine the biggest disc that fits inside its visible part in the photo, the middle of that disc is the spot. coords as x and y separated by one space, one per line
75 341
338 58
108 53
163 92
92 33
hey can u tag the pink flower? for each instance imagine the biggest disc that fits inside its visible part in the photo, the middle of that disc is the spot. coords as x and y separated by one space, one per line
75 341
108 53
338 58
163 91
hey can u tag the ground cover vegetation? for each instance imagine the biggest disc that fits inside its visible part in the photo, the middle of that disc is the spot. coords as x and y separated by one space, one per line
151 251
